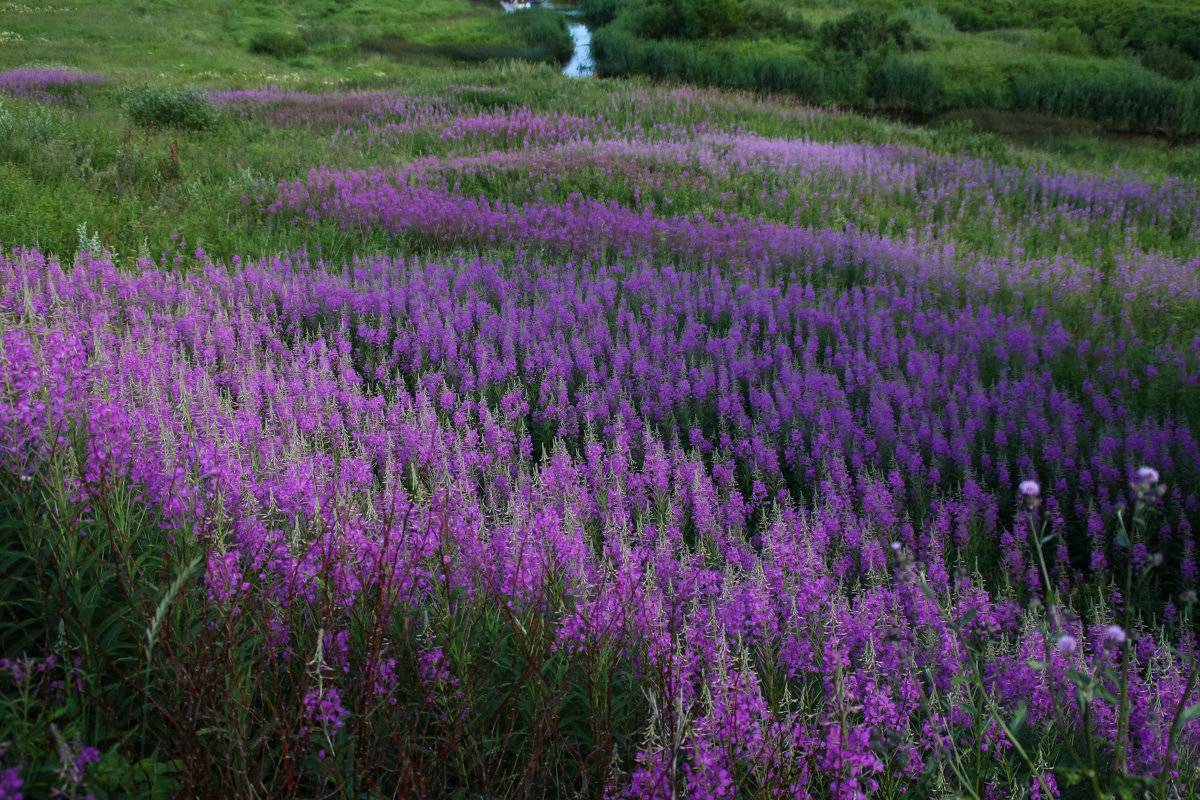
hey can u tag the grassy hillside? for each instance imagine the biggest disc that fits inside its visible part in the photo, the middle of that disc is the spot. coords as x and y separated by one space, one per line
239 42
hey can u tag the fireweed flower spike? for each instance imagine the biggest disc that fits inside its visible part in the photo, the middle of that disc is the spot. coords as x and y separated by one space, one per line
659 452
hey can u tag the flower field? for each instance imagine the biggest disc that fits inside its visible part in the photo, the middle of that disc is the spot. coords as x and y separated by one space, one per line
627 455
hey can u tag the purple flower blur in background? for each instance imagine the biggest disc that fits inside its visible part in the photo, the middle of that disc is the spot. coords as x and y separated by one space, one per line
46 84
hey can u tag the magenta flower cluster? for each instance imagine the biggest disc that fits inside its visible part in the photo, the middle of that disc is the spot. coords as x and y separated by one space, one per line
747 443
48 85
810 463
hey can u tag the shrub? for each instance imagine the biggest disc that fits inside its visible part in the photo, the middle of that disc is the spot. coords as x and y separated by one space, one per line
704 19
864 31
155 106
904 84
542 30
925 19
653 21
1107 42
967 18
1129 98
276 43
1169 62
598 13
620 53
770 17
794 76
1070 40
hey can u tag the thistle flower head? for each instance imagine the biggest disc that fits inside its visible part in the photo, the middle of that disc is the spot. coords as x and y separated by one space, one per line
1030 492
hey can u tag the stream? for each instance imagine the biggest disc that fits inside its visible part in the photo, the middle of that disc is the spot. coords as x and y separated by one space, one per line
581 65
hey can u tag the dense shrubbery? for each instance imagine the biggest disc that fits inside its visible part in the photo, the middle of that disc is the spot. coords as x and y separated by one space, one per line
1170 63
854 61
1135 24
621 53
866 31
598 13
277 43
903 84
155 106
542 30
774 19
1126 99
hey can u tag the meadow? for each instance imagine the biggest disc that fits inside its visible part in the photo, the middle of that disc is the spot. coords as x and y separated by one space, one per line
379 423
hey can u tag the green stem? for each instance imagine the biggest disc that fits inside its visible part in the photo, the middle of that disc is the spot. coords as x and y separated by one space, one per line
1123 718
1174 736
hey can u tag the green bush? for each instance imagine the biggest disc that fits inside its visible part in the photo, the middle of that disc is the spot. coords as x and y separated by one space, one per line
1107 42
928 20
772 18
1169 62
543 30
704 19
903 84
276 43
158 107
967 17
619 52
867 30
653 21
1128 98
598 13
1068 39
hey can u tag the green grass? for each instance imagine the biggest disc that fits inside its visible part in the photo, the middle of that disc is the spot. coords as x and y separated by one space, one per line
208 42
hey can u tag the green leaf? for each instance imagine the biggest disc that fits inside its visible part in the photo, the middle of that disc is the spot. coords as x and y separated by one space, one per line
1189 714
1018 717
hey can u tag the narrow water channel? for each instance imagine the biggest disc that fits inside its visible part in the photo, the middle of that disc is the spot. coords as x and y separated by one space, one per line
581 65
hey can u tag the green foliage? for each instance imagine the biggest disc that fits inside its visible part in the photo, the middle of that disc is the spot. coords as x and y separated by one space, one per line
276 43
653 20
705 19
774 19
621 53
1170 63
903 84
866 30
683 19
1068 39
159 107
541 29
598 13
1112 26
960 136
1126 99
